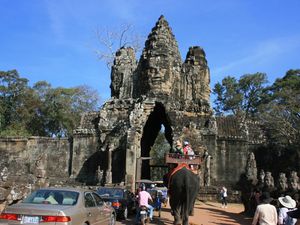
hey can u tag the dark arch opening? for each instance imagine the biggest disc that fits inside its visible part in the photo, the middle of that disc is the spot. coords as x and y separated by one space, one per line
156 119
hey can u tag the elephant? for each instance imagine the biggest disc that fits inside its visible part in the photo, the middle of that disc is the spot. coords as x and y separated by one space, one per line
183 187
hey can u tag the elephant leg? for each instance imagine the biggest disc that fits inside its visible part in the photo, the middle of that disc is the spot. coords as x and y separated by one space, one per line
185 219
186 210
176 209
177 216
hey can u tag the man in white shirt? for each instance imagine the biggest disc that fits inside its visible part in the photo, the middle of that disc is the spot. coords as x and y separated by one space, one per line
265 213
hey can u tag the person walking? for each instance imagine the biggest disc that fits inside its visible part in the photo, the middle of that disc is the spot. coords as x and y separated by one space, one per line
224 195
265 213
286 204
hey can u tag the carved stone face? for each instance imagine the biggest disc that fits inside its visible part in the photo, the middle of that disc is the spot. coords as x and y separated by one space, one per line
282 182
294 181
261 176
269 180
294 184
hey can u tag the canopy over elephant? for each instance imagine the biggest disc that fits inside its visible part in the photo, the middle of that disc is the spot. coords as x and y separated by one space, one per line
183 187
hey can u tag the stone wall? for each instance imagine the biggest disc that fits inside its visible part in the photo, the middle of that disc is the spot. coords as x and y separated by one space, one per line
28 163
23 156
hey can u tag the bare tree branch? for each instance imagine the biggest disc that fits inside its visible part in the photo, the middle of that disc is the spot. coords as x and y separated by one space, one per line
108 39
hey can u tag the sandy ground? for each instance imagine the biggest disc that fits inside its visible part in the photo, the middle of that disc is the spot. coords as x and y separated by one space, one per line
206 213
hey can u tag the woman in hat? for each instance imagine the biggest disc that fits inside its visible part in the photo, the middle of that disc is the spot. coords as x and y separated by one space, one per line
287 204
265 213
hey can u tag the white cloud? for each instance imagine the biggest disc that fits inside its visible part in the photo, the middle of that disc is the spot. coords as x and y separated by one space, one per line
265 52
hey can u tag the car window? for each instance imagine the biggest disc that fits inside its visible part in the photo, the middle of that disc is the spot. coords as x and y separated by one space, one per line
110 192
52 196
88 200
99 201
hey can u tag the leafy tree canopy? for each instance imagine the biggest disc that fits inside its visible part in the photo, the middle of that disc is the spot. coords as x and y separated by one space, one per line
280 109
41 110
239 97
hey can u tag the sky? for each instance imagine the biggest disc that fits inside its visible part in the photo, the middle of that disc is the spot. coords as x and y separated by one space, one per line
55 40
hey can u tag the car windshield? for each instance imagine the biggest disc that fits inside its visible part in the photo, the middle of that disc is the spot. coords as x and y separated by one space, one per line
54 197
110 192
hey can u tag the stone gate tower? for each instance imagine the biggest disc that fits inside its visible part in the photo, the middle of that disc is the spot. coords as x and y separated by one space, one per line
158 90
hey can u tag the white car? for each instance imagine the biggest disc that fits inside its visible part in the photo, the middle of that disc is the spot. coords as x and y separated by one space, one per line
60 206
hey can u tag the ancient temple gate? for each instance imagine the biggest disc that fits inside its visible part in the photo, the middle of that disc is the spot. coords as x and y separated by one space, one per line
158 90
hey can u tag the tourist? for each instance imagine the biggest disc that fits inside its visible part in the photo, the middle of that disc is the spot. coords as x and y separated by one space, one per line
265 213
296 215
187 149
286 204
178 148
224 195
143 198
189 152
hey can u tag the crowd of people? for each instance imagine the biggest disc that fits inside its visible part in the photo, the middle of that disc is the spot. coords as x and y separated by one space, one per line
281 211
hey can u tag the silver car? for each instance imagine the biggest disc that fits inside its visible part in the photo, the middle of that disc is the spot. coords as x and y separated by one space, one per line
60 206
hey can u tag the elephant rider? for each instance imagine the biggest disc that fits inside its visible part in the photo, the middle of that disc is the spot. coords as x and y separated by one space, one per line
143 198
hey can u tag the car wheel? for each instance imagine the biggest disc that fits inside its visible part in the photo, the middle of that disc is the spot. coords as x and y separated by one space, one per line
125 213
112 219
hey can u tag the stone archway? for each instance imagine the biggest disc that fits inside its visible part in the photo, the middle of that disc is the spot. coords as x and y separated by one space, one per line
156 119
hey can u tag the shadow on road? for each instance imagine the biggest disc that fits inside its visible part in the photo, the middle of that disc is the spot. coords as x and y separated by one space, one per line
156 220
222 216
205 214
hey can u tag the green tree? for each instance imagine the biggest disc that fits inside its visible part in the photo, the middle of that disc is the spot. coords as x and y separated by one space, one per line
62 108
159 149
239 97
41 110
280 110
14 92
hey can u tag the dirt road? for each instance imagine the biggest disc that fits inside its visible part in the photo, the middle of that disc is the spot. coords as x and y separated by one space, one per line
208 213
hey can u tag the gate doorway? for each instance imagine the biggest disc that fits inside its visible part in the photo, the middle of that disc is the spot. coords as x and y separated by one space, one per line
156 141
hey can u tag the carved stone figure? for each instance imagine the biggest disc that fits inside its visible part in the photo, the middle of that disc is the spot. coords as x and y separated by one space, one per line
282 182
251 169
282 185
261 179
4 174
269 182
293 182
207 159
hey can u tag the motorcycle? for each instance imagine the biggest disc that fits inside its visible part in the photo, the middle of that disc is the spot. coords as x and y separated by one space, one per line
144 215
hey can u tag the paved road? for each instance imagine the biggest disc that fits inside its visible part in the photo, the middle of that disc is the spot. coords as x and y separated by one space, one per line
209 213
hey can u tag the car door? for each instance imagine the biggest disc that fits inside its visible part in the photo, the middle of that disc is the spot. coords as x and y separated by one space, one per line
92 210
104 210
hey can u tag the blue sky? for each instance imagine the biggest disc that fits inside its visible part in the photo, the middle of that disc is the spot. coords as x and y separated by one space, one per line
54 40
